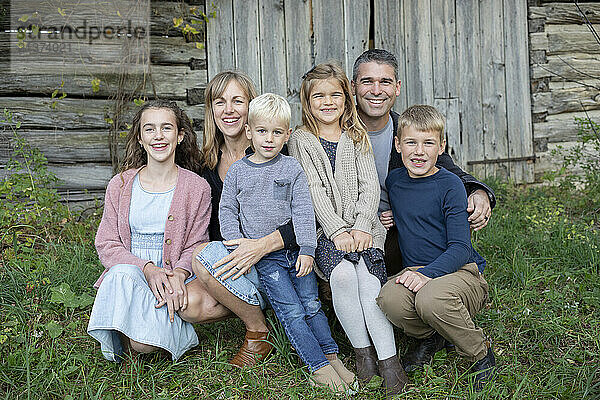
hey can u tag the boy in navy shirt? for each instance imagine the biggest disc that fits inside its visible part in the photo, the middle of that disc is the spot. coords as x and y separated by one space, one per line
435 298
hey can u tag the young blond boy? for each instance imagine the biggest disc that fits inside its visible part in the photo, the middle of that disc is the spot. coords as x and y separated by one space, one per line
261 192
442 288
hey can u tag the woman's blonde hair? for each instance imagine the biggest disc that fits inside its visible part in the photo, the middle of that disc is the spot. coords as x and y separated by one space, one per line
349 120
187 153
213 137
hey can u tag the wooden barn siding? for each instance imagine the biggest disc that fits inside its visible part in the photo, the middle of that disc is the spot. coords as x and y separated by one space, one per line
74 135
565 73
467 57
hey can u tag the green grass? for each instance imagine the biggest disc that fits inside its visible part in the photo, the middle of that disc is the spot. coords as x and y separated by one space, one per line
543 270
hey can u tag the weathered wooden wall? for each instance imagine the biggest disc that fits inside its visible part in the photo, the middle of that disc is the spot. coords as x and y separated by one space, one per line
74 135
565 72
467 57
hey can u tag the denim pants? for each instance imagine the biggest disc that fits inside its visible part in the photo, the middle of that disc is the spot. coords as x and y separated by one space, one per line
297 306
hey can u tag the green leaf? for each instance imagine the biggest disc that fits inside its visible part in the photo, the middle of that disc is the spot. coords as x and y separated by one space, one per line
177 21
54 329
95 85
24 18
63 294
61 11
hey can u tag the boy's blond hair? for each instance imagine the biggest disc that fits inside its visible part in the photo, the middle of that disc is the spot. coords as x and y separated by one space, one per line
269 106
424 118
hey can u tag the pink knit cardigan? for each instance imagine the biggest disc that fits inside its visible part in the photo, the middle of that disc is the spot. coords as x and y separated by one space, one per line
185 228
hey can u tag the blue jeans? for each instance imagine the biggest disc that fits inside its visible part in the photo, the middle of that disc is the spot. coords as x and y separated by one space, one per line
297 306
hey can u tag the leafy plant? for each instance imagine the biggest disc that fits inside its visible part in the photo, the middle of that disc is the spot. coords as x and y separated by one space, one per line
581 167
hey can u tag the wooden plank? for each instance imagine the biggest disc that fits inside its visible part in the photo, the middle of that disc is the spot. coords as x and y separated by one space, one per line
299 57
356 25
520 137
564 39
570 99
329 30
468 50
62 146
419 57
88 176
273 72
576 66
443 30
538 41
551 160
566 13
174 50
493 87
246 36
74 114
220 46
164 81
562 127
389 35
159 16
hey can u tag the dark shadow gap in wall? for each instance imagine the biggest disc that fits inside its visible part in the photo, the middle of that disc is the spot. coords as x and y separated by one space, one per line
372 25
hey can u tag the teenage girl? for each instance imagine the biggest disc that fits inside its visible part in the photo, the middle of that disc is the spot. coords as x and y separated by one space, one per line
333 147
156 212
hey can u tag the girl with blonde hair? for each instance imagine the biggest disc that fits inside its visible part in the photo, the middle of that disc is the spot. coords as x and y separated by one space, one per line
333 147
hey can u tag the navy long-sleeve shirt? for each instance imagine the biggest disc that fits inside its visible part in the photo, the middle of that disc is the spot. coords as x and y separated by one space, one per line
431 216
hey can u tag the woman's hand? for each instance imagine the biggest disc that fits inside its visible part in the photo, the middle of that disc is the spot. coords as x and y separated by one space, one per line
362 240
158 281
344 242
178 299
304 265
240 260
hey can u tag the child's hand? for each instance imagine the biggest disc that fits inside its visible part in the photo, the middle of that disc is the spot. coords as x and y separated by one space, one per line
387 219
344 242
158 281
413 280
178 300
304 265
362 240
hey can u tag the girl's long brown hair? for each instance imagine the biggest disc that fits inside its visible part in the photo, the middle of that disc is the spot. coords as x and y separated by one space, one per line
349 121
187 153
213 137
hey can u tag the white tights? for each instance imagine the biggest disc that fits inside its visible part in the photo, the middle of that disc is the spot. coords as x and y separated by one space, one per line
354 290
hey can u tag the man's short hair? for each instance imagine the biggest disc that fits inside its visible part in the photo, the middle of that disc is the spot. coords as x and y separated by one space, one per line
379 56
269 106
424 118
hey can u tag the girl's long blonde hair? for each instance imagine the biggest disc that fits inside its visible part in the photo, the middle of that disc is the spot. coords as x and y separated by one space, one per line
213 137
349 121
187 153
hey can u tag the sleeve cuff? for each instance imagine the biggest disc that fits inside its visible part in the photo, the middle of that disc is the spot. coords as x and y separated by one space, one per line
363 224
287 235
307 251
473 186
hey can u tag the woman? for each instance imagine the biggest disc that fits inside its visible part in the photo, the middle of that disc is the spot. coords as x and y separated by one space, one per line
229 278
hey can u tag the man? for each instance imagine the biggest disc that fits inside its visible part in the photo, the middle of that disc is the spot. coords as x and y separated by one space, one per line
375 84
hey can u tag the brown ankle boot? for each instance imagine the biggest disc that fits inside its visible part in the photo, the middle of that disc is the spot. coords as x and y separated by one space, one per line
366 364
394 377
255 348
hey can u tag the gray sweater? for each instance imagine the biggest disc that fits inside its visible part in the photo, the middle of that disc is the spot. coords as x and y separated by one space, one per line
259 198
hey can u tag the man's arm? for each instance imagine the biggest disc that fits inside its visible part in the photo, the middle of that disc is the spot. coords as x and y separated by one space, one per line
471 184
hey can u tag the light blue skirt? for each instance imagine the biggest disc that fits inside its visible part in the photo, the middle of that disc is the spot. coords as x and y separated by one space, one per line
124 303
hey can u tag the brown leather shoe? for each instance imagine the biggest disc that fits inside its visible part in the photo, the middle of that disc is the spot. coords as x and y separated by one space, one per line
394 377
256 347
366 364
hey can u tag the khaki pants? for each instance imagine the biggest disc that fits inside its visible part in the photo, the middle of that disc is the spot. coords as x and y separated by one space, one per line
445 305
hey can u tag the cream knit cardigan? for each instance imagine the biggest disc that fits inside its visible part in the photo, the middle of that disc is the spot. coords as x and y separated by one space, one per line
347 199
